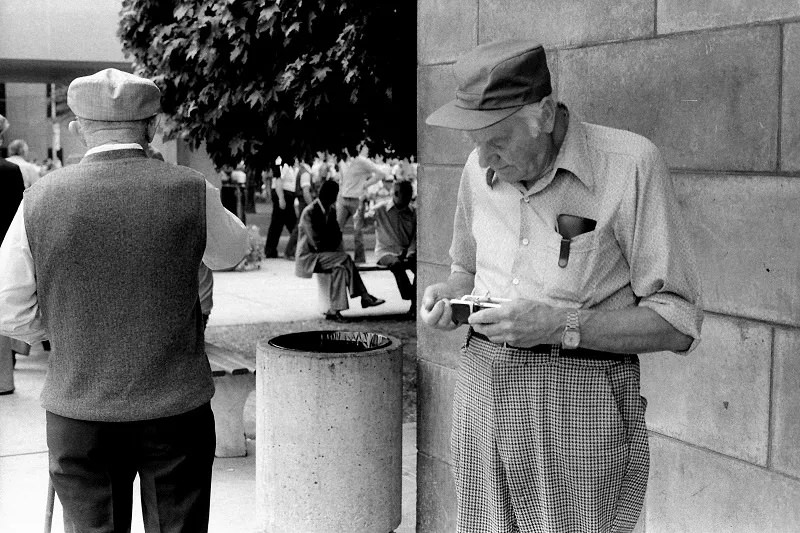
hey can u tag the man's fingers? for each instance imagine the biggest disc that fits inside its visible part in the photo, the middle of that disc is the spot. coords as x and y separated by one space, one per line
486 316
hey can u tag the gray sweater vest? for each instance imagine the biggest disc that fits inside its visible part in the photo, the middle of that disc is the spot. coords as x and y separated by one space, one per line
116 243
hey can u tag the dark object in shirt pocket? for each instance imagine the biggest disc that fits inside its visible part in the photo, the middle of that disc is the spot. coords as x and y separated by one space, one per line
569 227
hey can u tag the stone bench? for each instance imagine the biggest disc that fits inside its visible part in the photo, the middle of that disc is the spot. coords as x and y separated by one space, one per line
234 380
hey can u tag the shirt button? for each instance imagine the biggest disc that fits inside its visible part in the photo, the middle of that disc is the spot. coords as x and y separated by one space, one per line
525 242
515 281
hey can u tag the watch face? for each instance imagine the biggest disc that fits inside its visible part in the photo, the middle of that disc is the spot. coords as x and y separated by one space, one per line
571 339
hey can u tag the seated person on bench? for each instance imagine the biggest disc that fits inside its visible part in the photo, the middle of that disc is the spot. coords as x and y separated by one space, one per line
396 239
319 249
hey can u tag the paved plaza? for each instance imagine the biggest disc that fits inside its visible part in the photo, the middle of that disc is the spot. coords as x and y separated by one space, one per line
271 293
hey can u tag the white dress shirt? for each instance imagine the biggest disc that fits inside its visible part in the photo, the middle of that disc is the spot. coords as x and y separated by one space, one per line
226 244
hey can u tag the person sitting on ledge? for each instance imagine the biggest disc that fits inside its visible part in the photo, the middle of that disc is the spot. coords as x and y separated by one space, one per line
396 240
320 250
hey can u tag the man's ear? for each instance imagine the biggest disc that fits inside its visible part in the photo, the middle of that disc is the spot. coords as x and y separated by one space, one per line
548 114
75 129
152 128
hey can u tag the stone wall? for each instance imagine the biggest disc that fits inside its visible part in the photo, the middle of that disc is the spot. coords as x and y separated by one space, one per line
716 85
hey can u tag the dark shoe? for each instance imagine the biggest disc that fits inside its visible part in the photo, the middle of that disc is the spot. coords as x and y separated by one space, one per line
369 300
270 254
3 393
335 317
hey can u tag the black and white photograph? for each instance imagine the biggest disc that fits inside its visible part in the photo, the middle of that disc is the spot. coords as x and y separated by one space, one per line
214 213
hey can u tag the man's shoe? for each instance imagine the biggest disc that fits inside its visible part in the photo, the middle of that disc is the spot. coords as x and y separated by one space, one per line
369 300
335 317
3 393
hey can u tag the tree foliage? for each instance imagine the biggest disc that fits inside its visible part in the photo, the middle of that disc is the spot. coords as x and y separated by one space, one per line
255 79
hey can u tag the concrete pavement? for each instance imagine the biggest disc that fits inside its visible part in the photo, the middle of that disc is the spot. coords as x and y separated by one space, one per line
271 293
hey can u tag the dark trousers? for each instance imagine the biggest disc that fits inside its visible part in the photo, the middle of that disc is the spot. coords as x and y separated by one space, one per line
291 245
280 218
408 290
93 465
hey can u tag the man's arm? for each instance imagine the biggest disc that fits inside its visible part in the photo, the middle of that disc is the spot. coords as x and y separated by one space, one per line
525 323
20 317
226 236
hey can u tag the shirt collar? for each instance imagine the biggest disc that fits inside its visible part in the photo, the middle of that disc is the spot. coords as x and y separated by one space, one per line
113 146
574 154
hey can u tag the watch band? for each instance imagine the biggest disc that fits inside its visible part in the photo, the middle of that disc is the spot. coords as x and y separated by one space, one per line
571 338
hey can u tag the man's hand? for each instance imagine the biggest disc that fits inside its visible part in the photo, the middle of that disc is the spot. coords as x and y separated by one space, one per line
390 260
520 323
281 203
435 309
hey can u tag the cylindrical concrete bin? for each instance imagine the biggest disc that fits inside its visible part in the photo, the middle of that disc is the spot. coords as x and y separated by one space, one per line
329 433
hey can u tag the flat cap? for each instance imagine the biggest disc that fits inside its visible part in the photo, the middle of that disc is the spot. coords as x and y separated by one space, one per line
113 95
494 81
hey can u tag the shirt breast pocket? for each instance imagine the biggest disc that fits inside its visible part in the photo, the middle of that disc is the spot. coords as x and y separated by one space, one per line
575 282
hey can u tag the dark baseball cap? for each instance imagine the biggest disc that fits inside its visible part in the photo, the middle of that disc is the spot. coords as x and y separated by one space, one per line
494 81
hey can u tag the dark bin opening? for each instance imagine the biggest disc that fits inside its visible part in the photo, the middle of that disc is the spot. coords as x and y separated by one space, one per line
331 341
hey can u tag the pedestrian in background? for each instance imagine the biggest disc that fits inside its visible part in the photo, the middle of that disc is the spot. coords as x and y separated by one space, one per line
102 258
283 215
358 174
18 153
11 188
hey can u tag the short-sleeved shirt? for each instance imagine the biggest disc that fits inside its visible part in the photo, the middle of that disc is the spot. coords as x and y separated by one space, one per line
355 174
638 254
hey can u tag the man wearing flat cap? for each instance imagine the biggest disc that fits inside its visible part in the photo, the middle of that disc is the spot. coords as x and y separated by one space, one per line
102 259
572 232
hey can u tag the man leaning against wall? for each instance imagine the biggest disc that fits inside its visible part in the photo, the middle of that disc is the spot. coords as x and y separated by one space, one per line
571 233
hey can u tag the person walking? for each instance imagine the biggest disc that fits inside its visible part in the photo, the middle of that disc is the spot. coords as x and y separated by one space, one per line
11 188
577 229
358 174
283 215
102 258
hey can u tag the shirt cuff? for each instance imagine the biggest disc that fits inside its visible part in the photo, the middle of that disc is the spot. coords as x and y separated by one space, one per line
681 314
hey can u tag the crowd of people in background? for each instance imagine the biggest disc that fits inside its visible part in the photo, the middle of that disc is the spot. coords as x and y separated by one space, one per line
365 183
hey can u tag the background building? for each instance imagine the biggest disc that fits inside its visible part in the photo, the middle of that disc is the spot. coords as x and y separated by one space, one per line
49 43
716 85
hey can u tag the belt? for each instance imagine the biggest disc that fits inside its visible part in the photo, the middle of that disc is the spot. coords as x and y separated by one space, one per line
580 353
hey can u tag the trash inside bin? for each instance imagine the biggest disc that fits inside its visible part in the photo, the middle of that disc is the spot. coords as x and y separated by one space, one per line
329 432
331 341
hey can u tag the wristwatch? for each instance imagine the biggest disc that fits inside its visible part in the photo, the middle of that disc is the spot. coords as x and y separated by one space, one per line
571 338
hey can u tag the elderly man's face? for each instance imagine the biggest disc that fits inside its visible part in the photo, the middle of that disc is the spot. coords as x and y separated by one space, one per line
514 148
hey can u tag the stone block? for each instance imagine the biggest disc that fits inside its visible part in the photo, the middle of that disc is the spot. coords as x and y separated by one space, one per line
686 15
440 347
436 206
436 496
435 386
436 86
708 100
790 99
718 396
565 22
744 230
785 402
445 29
697 490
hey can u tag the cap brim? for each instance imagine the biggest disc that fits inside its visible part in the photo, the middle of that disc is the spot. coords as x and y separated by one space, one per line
454 117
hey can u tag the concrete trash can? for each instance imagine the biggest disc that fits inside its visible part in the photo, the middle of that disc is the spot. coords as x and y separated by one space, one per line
329 433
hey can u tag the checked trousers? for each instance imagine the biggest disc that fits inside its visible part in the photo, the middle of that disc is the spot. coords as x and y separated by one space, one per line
545 442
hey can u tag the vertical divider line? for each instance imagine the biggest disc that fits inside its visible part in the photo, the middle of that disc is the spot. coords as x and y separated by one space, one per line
779 136
771 403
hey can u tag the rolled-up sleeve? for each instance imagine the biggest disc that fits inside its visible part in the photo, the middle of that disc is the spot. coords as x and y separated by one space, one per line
20 317
656 243
227 242
463 247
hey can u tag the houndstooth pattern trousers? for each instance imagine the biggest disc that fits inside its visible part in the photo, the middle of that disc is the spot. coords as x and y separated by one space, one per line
547 443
